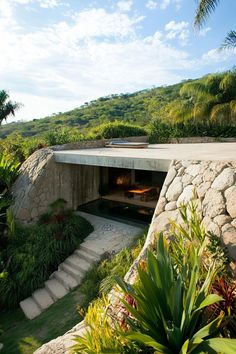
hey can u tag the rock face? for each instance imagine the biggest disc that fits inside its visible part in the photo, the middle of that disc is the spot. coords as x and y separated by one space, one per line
230 196
212 185
213 203
42 181
225 180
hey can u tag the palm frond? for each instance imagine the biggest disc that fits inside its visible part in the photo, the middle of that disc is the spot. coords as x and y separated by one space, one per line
230 41
205 8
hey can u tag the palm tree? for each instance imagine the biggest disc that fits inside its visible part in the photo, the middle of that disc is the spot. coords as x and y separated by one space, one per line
204 10
7 107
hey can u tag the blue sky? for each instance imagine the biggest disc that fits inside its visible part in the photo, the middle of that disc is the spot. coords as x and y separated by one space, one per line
58 54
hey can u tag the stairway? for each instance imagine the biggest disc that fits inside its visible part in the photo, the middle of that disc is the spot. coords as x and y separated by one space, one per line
69 275
108 236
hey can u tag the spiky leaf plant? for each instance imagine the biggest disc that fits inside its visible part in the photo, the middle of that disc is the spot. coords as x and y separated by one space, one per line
170 303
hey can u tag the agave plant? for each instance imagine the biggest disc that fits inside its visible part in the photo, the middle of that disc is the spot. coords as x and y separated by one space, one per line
170 303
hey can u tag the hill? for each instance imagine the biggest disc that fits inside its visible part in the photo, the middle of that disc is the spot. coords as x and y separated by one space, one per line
201 107
138 108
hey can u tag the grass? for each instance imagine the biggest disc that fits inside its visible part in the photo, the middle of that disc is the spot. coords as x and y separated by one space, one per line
22 336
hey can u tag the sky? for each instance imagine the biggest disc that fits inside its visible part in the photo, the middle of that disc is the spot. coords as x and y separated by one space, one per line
58 54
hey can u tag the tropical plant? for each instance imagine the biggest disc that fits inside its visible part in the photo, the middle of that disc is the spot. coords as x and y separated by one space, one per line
101 335
32 253
7 107
170 304
118 130
8 172
204 10
227 289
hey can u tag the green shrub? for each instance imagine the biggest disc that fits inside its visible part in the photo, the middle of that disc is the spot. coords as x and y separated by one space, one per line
34 252
101 336
8 172
118 130
169 302
62 136
161 131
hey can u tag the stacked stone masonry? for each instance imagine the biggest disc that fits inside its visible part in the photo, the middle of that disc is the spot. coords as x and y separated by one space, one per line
212 185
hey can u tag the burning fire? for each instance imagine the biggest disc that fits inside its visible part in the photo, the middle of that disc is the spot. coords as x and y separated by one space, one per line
122 180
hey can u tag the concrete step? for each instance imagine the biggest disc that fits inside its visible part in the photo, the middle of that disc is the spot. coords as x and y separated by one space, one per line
30 308
90 250
56 289
86 256
78 263
65 279
72 271
42 298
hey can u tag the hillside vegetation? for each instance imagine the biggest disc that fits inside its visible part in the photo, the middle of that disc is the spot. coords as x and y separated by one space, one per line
205 106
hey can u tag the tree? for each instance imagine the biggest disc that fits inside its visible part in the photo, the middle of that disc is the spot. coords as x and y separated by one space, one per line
204 10
7 107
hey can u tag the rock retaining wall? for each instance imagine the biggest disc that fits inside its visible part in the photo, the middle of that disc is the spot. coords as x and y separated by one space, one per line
42 181
212 185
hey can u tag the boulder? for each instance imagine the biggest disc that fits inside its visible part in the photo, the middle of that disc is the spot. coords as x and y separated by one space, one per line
170 176
203 188
222 219
174 190
193 170
213 203
162 221
186 196
171 206
224 180
160 205
229 239
230 195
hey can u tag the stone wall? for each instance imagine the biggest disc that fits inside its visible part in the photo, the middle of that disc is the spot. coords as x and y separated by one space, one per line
42 181
212 185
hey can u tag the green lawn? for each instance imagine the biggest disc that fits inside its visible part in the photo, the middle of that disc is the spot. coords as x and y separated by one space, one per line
24 336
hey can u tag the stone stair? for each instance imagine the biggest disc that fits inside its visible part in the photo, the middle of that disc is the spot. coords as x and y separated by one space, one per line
69 275
108 236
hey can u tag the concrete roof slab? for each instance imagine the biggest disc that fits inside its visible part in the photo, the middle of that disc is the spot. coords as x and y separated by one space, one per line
156 157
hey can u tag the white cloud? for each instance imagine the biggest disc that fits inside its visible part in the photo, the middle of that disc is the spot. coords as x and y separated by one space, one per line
41 3
178 4
178 30
204 31
164 4
95 53
92 54
216 55
99 23
125 5
151 5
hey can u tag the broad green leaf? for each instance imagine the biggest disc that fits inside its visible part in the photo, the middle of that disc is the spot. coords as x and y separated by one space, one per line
149 341
209 300
216 345
184 348
209 329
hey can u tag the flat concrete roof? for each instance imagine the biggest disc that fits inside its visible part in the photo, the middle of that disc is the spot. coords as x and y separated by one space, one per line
156 157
